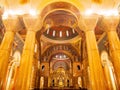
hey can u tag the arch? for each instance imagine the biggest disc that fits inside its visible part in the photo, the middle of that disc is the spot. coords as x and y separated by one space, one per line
74 7
77 38
68 6
69 11
68 45
59 51
44 3
50 51
64 65
64 11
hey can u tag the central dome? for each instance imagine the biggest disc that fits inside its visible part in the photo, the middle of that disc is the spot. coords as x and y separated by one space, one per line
60 33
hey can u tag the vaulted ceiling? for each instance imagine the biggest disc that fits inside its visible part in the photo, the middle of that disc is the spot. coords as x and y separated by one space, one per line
60 17
85 4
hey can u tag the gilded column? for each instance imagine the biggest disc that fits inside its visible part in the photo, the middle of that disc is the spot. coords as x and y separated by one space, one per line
6 46
23 78
110 25
97 79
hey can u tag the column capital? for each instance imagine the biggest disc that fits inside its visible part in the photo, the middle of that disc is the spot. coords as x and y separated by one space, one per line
87 23
11 24
32 23
110 23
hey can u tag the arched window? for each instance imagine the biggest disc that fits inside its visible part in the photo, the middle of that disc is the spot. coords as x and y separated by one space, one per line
53 81
78 67
68 83
43 67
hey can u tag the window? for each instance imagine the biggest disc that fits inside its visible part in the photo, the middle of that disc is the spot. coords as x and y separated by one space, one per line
78 67
43 67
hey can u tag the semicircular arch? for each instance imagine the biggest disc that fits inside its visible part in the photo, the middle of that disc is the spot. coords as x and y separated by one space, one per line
60 51
47 3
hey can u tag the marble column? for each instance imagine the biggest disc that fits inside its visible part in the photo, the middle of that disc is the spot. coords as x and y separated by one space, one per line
23 78
6 46
97 79
110 25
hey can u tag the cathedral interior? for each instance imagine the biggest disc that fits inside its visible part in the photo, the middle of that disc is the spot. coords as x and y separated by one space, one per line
60 44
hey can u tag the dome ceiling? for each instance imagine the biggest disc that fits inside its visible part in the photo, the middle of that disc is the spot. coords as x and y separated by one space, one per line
61 25
60 18
60 33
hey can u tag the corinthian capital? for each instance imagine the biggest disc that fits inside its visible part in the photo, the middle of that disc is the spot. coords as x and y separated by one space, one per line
110 23
32 22
88 22
11 23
